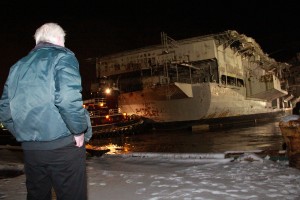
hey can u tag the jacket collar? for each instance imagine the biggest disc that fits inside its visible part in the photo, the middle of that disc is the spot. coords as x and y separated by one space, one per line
48 44
45 44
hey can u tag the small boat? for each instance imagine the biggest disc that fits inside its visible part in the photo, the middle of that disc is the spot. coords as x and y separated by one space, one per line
108 120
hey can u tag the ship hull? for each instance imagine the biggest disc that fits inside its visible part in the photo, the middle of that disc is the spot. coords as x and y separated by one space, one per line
221 123
203 103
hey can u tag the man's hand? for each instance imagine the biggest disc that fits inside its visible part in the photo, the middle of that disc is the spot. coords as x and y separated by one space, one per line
79 139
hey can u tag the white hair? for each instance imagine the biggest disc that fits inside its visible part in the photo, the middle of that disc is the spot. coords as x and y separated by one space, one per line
50 32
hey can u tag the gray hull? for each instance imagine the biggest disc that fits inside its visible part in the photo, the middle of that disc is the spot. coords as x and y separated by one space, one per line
193 102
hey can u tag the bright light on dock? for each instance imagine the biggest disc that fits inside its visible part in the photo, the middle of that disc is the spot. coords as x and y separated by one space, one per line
107 90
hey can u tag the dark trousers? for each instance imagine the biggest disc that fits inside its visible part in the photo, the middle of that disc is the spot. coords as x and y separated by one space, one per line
64 169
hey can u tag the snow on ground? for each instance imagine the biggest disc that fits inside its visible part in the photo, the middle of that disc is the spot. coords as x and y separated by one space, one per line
157 176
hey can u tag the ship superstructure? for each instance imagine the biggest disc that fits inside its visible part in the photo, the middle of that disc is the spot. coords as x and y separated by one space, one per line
200 79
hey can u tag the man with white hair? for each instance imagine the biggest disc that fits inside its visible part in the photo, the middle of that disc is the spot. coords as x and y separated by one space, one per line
42 107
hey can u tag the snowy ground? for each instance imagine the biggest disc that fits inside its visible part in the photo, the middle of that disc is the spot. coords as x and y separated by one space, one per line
156 176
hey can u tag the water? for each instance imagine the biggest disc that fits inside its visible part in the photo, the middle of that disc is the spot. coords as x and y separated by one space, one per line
259 137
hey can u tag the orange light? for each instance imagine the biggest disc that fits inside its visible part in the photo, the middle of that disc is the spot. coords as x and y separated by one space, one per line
107 116
107 90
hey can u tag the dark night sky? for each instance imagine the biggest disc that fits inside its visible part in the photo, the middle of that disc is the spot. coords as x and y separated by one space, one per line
97 27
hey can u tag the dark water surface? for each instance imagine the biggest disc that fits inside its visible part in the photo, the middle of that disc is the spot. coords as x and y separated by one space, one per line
256 137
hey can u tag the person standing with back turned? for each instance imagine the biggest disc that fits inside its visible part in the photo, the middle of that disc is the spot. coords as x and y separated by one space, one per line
42 107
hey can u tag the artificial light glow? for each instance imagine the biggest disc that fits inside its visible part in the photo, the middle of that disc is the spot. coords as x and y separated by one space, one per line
107 116
101 104
107 90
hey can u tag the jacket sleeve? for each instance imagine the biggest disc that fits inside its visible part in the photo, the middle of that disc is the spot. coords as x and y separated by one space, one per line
88 134
68 98
5 112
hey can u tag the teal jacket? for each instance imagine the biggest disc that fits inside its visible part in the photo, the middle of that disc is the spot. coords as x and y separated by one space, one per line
41 104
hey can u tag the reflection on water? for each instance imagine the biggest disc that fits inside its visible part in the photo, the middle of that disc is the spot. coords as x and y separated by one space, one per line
259 137
112 148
